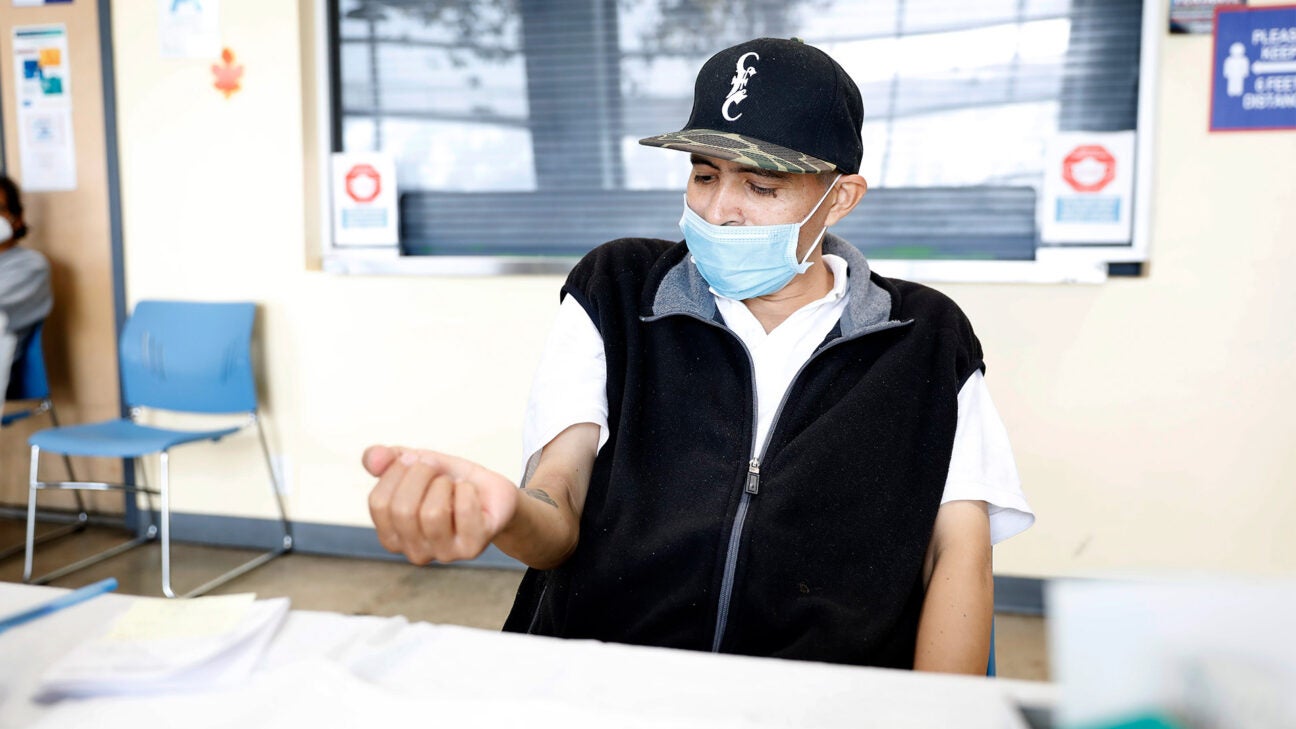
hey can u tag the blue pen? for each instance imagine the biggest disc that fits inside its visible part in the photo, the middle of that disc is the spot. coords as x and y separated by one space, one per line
72 598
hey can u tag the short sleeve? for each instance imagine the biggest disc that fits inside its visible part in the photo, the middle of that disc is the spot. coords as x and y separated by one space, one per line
982 467
570 385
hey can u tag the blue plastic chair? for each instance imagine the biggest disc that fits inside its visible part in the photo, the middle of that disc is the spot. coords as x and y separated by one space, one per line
27 379
177 356
29 385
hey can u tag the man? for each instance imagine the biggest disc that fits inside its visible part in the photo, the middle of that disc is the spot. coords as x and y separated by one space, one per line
744 442
25 297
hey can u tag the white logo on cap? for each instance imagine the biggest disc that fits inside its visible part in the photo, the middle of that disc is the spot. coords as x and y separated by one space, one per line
738 90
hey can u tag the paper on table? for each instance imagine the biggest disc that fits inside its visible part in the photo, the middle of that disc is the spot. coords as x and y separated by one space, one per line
170 645
156 618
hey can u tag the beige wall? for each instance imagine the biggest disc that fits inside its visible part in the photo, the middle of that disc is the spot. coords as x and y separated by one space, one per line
1151 417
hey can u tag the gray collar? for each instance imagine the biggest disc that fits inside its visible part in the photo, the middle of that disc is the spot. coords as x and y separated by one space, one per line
684 291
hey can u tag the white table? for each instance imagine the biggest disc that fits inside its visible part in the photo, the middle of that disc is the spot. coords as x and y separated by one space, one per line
326 670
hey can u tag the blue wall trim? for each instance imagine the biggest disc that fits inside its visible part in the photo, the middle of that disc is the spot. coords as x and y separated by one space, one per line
334 540
1020 595
1017 595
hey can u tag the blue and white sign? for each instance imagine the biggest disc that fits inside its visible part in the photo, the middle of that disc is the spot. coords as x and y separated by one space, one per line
1254 75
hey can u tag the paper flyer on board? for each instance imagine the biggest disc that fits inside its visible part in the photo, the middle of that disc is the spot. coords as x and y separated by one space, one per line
46 152
189 28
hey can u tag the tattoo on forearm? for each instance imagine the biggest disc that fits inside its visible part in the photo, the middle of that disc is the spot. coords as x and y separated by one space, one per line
542 496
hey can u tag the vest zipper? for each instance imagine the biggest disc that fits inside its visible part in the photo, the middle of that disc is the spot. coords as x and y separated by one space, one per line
752 484
731 564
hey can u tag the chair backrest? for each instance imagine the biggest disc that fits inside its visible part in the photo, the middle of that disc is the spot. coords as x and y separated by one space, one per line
27 377
189 356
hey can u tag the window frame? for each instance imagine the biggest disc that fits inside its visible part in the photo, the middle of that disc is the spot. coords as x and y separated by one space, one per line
1079 264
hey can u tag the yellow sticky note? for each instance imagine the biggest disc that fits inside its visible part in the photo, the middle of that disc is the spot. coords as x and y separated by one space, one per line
50 57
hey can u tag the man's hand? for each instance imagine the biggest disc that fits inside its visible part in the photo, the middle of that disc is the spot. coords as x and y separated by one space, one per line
432 506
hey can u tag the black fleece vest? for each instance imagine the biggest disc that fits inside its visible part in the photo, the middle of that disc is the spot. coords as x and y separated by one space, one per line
809 546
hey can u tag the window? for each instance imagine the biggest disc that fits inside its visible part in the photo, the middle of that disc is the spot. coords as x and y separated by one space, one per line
514 123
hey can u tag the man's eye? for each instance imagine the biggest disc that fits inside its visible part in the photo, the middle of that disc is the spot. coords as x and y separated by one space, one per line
761 190
701 178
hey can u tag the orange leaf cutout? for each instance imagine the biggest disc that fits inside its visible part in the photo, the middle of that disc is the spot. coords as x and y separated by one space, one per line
228 75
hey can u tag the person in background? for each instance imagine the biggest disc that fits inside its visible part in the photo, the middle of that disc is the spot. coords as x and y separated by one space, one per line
25 295
746 441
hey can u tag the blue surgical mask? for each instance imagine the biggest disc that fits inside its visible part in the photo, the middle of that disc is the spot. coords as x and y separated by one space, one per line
746 261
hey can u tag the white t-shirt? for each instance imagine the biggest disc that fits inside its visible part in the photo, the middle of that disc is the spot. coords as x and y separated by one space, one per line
570 387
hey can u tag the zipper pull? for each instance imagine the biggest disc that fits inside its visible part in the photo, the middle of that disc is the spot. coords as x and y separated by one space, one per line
753 477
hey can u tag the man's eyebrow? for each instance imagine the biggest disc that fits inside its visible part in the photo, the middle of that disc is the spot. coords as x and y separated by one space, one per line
762 172
698 159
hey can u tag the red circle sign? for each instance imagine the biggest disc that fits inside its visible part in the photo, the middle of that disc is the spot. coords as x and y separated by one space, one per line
1089 168
363 183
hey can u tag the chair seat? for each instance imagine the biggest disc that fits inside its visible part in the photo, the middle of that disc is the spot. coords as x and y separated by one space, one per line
118 439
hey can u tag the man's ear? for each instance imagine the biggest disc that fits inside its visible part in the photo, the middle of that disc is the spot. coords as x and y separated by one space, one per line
848 193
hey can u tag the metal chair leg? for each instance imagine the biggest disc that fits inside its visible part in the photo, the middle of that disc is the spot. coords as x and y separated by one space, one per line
30 547
141 479
286 544
275 487
165 520
56 533
32 488
161 527
83 514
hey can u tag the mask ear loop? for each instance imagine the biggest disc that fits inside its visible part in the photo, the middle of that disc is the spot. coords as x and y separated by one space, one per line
819 238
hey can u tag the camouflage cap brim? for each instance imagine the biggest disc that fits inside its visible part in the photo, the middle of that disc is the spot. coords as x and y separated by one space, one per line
741 149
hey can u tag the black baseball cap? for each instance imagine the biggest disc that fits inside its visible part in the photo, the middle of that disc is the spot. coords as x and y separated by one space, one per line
777 104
